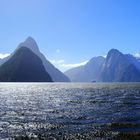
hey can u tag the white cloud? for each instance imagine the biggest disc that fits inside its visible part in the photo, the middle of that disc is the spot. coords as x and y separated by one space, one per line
74 65
61 61
64 66
2 55
137 55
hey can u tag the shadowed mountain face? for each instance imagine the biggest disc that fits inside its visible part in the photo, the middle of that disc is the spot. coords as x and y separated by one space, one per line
116 67
24 66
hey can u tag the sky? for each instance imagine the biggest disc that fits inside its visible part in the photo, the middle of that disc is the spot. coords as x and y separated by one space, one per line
71 32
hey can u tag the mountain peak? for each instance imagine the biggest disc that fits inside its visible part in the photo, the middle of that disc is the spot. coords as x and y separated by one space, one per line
56 75
29 43
29 38
114 53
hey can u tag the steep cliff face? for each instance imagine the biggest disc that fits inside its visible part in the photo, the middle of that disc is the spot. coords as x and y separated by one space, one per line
118 68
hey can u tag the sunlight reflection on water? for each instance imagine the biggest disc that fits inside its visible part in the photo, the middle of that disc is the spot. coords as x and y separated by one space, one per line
67 106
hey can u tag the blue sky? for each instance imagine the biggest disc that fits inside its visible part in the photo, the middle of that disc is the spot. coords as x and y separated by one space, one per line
70 32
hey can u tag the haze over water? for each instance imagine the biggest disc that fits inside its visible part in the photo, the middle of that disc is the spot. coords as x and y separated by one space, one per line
69 109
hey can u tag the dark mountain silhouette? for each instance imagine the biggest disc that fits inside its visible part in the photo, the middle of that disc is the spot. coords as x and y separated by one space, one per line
24 66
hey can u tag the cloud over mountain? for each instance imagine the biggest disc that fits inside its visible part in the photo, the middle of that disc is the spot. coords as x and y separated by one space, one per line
3 55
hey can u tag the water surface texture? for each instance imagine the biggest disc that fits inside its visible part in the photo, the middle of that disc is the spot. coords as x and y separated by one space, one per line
81 111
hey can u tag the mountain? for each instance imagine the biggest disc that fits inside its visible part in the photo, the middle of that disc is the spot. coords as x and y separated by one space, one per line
119 68
30 43
133 60
24 66
56 75
116 67
87 73
2 61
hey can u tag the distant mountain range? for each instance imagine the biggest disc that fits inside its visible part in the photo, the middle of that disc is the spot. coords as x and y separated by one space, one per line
28 64
88 72
116 67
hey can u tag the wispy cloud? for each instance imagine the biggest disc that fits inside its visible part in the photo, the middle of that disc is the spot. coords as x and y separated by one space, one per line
57 62
74 65
3 55
105 56
137 55
61 64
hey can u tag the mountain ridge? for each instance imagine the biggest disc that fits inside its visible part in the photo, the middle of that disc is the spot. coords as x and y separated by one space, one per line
31 44
88 72
116 67
56 74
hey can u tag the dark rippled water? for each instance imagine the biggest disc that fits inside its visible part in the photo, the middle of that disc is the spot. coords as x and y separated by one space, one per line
71 111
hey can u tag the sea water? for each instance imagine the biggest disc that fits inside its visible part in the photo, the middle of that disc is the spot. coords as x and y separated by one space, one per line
69 110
